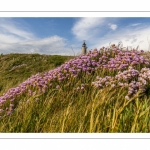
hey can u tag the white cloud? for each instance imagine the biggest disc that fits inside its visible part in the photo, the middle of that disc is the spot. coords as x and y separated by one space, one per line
86 28
51 45
113 26
134 24
15 38
8 38
128 36
133 35
13 31
93 30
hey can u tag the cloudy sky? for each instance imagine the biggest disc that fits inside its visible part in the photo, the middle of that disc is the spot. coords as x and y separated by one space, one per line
64 36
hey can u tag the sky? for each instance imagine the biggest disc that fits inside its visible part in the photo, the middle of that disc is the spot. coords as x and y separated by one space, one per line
65 35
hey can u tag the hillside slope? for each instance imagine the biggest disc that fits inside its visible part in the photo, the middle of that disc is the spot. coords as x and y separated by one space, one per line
103 91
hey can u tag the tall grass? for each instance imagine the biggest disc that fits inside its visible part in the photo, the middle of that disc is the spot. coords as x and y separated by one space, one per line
91 110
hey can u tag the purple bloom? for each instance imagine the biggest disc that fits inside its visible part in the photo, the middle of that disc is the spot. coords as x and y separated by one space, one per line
1 110
11 105
57 87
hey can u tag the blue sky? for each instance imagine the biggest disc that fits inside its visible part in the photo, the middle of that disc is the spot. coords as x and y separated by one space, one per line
62 35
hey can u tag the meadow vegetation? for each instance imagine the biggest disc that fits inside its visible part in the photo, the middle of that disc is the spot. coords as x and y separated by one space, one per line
106 90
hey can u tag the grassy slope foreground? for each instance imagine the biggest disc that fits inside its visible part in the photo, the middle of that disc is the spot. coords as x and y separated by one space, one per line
103 91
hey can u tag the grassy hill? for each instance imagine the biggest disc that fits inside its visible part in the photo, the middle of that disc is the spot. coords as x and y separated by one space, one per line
16 68
106 90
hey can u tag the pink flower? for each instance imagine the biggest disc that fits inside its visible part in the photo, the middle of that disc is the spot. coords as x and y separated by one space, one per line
57 87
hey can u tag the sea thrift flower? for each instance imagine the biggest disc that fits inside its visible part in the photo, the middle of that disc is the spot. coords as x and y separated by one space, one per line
127 97
11 105
131 79
9 113
57 87
82 88
1 110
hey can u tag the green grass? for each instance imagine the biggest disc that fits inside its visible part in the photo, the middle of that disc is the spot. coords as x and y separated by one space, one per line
16 68
65 110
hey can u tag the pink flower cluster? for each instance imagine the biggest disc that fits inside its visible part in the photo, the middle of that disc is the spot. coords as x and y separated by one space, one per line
131 79
38 84
121 59
108 58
